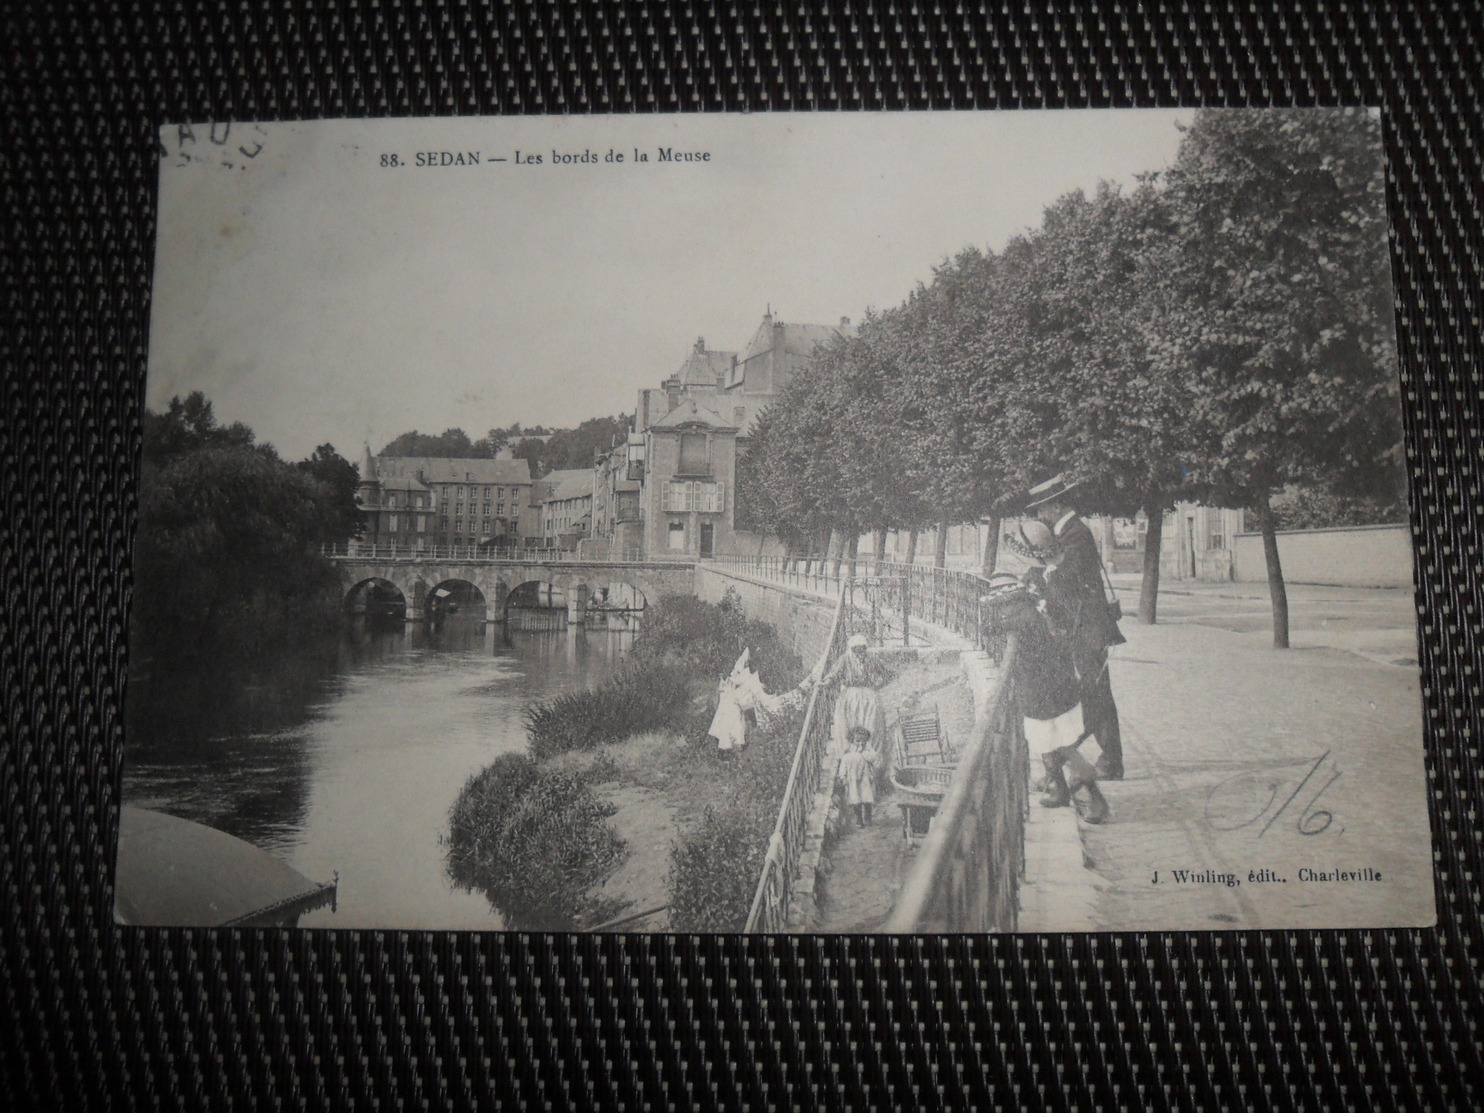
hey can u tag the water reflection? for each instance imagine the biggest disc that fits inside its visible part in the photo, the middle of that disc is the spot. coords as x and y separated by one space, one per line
362 756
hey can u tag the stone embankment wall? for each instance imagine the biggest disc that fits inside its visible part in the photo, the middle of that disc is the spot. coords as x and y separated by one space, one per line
801 617
1337 556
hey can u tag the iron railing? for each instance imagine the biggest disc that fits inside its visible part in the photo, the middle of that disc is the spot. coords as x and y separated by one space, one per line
391 552
893 594
770 903
466 552
967 874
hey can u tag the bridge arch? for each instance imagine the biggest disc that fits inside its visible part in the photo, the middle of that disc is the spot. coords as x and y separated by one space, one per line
375 596
457 595
596 577
617 592
495 580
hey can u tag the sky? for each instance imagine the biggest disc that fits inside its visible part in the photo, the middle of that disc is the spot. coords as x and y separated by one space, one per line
318 285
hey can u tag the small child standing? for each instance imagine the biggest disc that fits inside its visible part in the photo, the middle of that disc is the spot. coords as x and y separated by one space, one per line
858 773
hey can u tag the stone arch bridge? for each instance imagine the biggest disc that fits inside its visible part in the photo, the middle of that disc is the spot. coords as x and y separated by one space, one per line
417 577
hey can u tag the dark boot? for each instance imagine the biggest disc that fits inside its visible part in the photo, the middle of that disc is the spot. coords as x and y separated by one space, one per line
868 813
1051 763
860 815
1089 803
1057 792
1108 769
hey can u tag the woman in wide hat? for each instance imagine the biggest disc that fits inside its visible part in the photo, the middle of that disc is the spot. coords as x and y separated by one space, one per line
860 675
1047 690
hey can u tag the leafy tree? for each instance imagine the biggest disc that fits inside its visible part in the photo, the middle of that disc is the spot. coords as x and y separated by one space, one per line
1214 335
452 443
1274 306
965 403
884 384
338 480
1082 286
569 449
760 491
1299 507
228 556
189 424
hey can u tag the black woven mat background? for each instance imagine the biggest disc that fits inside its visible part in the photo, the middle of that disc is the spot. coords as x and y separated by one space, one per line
96 1016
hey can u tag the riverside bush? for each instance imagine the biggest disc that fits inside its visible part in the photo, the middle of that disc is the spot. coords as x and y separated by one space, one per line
636 701
684 647
715 866
532 840
713 872
517 823
707 639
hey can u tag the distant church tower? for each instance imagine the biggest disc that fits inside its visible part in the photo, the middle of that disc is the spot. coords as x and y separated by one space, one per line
368 495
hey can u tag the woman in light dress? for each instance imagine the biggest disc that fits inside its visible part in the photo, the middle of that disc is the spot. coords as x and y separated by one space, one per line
860 676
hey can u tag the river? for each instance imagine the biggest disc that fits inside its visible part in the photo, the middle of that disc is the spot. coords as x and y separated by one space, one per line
361 764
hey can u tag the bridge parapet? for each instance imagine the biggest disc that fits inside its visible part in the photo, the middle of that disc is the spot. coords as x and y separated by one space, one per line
390 552
416 574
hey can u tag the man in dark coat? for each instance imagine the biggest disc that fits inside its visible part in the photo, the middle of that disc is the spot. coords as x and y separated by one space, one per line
1074 584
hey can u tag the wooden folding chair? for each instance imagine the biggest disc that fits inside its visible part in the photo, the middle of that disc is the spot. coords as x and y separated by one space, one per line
921 740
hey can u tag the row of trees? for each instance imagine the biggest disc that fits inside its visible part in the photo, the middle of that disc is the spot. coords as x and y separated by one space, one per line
1217 334
546 449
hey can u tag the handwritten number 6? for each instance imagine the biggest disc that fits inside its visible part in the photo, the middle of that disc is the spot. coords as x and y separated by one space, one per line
1307 820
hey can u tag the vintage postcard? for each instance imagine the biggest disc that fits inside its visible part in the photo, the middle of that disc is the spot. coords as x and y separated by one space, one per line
828 523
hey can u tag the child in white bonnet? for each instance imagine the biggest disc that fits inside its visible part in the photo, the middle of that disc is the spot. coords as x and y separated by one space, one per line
858 773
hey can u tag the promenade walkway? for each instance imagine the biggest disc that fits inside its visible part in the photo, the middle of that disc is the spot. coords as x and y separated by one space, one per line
867 866
1255 766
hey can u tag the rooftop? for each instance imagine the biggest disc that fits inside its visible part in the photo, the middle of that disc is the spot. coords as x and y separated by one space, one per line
568 484
693 411
439 471
705 368
799 338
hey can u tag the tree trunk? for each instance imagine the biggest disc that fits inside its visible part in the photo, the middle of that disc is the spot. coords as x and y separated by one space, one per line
1276 589
1149 587
911 546
853 550
880 544
836 550
940 545
991 557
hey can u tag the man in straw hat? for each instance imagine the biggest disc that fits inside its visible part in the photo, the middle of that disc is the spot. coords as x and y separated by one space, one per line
1075 581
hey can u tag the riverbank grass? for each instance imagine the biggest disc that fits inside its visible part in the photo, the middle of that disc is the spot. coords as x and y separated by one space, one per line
630 780
701 852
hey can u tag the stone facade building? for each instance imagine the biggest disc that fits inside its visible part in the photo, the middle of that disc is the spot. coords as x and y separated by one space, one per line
566 502
618 521
671 490
422 503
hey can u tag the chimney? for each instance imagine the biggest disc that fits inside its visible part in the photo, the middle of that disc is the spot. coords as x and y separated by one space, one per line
700 345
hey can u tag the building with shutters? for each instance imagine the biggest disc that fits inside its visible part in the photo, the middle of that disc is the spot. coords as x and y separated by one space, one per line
670 490
422 503
566 503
